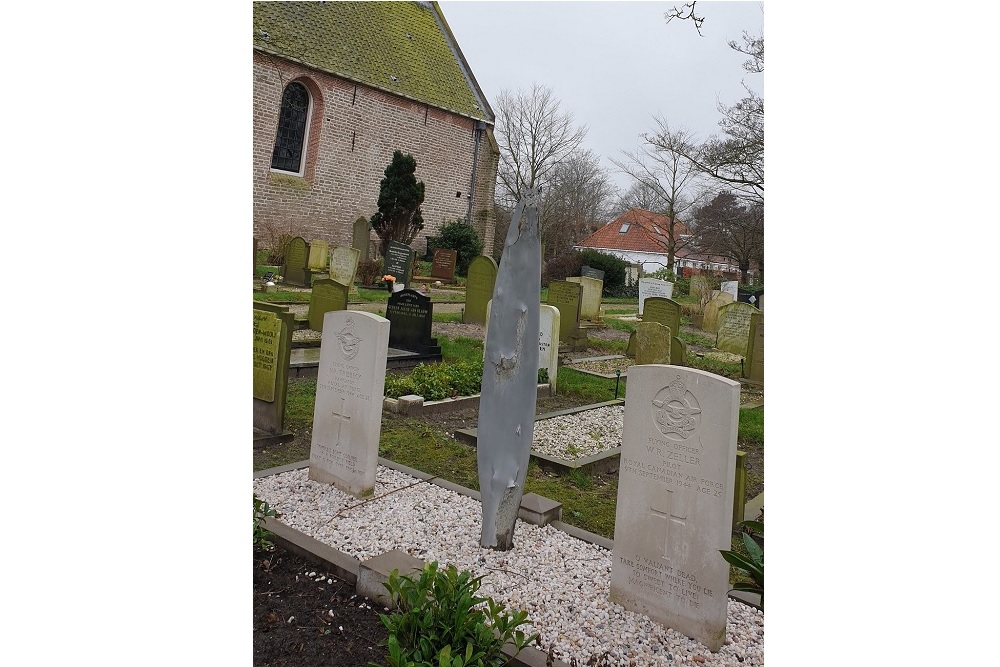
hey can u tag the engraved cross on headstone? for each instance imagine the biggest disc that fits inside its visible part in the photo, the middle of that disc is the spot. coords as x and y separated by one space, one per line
669 520
341 419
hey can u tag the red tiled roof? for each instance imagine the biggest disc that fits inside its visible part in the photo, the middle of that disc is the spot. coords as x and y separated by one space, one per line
641 234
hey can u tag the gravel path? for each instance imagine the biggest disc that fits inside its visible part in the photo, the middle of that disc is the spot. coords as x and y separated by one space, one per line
562 582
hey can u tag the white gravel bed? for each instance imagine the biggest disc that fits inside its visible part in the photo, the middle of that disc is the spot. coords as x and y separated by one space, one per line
581 434
562 582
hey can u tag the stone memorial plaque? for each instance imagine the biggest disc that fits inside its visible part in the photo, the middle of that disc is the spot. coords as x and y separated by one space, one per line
347 418
295 270
319 255
591 272
411 316
565 296
272 344
443 266
652 287
675 499
398 261
344 265
734 327
590 297
326 295
652 343
479 289
755 348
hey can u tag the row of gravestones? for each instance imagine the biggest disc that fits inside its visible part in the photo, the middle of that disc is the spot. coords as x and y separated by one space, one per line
678 462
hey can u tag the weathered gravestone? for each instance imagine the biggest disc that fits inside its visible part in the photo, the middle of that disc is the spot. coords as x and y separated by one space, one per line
510 378
591 272
565 296
653 287
399 261
319 256
347 419
731 287
760 302
411 315
272 345
675 499
548 341
590 297
652 343
710 319
755 348
344 266
734 327
361 238
327 295
295 270
479 289
668 313
443 266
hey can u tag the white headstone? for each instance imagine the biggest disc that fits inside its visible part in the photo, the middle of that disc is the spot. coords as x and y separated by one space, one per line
675 499
730 287
548 343
653 287
347 419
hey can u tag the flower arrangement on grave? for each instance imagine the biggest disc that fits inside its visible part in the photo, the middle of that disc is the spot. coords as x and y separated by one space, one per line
389 281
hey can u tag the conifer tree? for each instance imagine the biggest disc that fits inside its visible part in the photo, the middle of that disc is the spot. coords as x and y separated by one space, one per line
399 200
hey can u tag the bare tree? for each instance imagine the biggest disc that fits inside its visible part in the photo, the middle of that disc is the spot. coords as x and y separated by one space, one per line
731 228
576 201
638 195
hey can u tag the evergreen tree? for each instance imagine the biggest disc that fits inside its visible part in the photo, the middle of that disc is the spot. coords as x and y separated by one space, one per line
399 200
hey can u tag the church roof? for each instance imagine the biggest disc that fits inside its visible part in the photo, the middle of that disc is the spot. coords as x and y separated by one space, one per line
405 48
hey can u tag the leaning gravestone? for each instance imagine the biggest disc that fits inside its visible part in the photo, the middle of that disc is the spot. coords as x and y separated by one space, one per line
319 255
411 316
510 378
360 237
652 343
479 289
734 327
443 266
398 261
548 343
565 296
272 345
755 348
347 418
653 287
295 270
344 265
327 295
591 272
668 313
710 319
590 297
675 499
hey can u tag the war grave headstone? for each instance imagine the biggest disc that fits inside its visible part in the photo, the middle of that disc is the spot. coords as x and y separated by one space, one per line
548 343
398 262
755 349
590 297
652 343
566 295
347 418
734 327
654 287
443 266
591 272
731 287
272 344
344 266
411 316
675 499
710 319
295 270
319 256
327 295
668 313
361 237
479 289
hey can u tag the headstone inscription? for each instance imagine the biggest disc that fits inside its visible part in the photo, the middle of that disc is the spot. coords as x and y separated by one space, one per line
398 261
347 418
327 295
734 327
479 289
272 345
295 269
591 272
590 297
319 256
668 313
411 315
548 340
344 265
510 378
443 266
675 499
565 296
361 238
653 287
652 343
755 348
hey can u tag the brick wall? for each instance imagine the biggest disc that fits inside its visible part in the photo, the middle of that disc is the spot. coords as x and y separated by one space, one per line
352 133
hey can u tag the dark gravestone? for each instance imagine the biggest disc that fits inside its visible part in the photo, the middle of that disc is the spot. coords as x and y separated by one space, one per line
668 313
398 260
443 266
272 345
566 296
410 316
590 272
479 289
296 267
327 294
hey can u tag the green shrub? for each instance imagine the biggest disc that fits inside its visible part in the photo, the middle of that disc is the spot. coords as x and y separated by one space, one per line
439 621
260 535
682 286
462 238
437 381
750 564
369 271
613 267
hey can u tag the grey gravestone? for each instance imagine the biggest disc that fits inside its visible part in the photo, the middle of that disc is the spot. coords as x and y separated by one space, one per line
272 346
734 327
675 499
327 295
319 255
755 348
510 378
398 261
360 237
652 343
566 296
479 289
668 313
344 265
347 417
590 297
295 270
411 315
590 272
443 266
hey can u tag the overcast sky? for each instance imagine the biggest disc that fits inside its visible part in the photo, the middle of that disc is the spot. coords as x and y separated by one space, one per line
614 65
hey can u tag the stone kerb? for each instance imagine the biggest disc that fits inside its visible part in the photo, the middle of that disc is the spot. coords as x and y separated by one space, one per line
347 419
675 499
